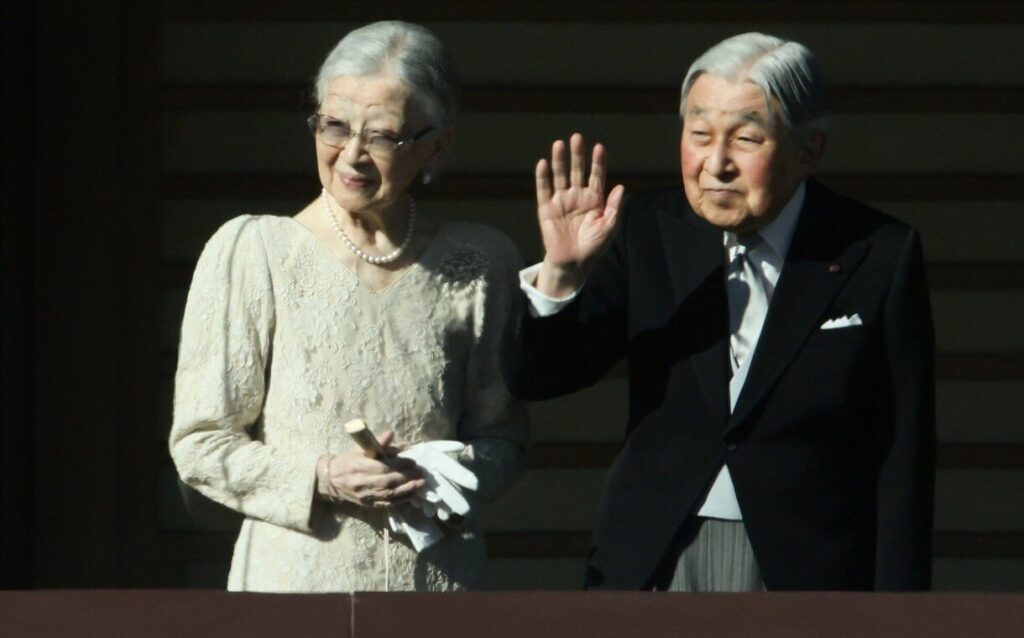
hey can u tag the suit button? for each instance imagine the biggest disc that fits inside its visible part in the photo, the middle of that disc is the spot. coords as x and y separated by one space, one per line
731 447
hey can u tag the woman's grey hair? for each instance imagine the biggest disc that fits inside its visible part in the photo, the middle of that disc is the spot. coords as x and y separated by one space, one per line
785 70
411 52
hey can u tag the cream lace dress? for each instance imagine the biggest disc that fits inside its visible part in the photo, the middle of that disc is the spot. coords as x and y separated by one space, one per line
281 344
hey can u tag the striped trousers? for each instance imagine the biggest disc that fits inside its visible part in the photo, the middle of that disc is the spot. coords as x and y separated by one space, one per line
716 557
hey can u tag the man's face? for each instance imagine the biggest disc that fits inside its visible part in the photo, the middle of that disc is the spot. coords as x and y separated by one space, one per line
739 164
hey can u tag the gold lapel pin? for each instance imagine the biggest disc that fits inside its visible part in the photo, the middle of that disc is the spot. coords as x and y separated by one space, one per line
833 268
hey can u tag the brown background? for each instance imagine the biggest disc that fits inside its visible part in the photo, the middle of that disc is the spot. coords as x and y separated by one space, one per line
132 130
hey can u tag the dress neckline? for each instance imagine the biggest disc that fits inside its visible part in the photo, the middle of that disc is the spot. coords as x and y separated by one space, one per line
417 262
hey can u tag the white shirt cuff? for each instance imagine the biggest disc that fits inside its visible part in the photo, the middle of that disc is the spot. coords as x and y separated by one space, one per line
541 305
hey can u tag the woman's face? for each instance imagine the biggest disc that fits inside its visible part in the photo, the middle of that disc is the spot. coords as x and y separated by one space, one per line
362 178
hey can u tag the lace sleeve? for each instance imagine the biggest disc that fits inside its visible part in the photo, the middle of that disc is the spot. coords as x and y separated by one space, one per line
219 386
494 424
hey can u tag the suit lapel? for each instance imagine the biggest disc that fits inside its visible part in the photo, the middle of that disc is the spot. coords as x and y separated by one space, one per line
696 262
818 264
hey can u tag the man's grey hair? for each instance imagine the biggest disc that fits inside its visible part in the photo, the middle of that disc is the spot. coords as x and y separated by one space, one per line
410 52
784 70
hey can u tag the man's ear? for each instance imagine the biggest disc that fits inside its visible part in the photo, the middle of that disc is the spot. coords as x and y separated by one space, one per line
442 144
813 150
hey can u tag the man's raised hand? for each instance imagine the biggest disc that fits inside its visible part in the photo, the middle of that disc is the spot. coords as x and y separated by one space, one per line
576 221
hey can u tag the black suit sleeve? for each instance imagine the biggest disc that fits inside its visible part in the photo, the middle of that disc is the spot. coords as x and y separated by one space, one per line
906 482
576 347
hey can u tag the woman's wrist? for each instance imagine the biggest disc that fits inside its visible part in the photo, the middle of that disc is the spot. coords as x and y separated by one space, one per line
323 475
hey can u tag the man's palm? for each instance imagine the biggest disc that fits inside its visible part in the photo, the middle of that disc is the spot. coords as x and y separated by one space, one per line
575 219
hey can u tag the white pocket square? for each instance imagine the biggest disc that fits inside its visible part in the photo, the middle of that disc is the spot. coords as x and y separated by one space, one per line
842 322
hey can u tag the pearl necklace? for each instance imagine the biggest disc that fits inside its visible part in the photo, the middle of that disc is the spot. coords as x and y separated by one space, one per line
383 259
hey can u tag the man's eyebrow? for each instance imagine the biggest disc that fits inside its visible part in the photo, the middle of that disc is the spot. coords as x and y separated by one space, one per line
754 117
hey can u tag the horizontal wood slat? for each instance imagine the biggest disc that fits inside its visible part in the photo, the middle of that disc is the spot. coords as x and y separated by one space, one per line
882 187
199 546
976 276
599 11
538 545
940 276
973 366
980 367
981 455
948 367
578 455
501 99
978 545
577 544
217 547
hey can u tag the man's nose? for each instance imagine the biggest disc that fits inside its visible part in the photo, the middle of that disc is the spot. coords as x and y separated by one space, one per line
718 160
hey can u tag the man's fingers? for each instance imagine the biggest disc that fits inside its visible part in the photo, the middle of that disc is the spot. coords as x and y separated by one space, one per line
614 203
577 155
597 169
543 178
561 180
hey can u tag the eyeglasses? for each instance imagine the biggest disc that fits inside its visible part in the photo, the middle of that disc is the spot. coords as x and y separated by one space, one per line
337 133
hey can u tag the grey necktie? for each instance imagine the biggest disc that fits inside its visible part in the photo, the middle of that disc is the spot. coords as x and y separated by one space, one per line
748 299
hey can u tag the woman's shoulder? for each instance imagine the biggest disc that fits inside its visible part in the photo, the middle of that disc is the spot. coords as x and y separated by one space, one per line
249 230
250 222
490 242
246 238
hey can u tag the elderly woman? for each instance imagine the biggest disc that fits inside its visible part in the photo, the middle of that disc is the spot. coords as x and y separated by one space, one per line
356 307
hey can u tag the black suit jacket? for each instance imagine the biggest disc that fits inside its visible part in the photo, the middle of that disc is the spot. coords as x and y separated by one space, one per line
831 443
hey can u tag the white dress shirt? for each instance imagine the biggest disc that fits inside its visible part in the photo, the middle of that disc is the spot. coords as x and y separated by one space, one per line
769 256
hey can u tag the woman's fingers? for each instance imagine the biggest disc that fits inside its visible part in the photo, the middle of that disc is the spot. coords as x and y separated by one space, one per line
365 481
405 491
384 489
391 494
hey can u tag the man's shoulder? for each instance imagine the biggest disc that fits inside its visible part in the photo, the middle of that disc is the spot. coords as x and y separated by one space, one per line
643 209
648 202
855 218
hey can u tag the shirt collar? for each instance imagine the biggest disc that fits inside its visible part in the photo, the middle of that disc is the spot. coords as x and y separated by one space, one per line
779 233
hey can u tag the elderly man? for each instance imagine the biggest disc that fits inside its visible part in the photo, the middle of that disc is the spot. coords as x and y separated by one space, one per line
779 341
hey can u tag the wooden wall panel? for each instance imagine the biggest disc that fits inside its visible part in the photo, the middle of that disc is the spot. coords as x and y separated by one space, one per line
17 195
965 321
981 411
973 574
578 54
511 143
928 99
969 232
77 404
977 321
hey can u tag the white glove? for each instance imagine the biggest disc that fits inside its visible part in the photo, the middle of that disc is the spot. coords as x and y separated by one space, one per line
441 496
420 528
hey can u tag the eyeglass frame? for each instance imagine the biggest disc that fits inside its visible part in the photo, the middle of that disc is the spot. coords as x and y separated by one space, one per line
314 124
